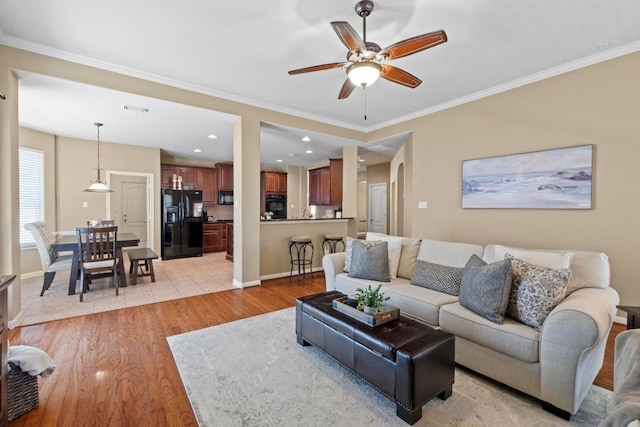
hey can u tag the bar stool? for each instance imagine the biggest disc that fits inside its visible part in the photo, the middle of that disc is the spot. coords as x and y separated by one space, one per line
330 242
298 247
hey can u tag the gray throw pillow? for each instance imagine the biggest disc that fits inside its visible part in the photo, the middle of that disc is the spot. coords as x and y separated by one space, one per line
370 260
535 292
441 278
485 288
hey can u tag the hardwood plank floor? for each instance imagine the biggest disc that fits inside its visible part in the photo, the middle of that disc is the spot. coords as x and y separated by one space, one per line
116 369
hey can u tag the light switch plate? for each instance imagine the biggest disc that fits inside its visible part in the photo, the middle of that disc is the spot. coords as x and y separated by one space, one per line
85 204
422 205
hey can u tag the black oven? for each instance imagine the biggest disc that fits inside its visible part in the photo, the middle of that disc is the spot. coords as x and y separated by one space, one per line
276 203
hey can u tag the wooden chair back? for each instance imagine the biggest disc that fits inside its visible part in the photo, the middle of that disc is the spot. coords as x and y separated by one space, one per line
97 245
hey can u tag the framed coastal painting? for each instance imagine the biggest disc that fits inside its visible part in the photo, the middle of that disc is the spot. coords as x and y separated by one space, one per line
551 179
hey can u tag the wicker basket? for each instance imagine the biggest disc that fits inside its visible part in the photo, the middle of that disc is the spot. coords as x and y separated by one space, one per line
22 393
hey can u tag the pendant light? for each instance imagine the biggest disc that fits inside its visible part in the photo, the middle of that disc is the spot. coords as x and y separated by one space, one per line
98 186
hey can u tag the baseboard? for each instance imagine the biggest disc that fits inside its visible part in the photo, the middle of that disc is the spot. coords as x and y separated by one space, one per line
30 275
241 285
15 321
286 274
620 319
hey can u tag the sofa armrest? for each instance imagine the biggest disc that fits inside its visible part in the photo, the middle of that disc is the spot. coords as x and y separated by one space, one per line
332 264
572 345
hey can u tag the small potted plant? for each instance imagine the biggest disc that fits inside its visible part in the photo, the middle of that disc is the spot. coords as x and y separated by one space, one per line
268 214
371 299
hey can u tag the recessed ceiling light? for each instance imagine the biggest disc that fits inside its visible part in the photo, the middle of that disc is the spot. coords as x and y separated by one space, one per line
309 151
212 136
279 160
197 150
306 139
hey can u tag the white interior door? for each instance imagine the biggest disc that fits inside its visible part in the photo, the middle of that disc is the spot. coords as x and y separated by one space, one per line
134 210
378 208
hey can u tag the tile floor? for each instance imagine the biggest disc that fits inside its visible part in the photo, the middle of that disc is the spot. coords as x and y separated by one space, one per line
176 278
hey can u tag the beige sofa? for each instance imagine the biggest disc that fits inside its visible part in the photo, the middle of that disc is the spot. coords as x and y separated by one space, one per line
556 365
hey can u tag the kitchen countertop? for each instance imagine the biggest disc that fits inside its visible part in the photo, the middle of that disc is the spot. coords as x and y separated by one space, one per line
285 220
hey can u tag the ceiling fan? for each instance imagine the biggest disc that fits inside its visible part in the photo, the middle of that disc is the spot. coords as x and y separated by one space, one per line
365 59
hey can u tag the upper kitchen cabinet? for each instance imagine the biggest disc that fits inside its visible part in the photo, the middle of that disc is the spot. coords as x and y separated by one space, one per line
207 181
225 176
188 175
274 182
325 184
335 172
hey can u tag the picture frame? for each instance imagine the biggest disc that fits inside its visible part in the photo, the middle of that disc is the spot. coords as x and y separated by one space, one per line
559 178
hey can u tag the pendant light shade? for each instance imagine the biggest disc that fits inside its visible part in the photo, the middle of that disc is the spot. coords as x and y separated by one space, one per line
98 186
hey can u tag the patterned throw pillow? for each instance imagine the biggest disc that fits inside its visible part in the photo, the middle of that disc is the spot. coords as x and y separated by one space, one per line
535 291
441 278
370 260
348 250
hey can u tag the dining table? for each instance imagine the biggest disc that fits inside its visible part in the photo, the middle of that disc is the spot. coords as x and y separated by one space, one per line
69 242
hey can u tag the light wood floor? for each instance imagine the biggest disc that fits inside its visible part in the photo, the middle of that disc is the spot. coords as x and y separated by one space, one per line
115 368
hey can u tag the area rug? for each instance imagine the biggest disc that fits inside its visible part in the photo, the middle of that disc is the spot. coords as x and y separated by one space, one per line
252 372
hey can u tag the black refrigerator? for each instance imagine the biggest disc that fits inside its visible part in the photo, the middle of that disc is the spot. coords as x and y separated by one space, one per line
181 223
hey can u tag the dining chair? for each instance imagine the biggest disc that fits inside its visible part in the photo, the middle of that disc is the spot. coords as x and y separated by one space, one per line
51 261
97 254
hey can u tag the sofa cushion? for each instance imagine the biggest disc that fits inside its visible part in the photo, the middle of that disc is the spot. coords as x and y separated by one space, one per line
551 259
485 288
348 285
535 291
448 253
588 269
511 337
394 248
441 278
414 301
370 260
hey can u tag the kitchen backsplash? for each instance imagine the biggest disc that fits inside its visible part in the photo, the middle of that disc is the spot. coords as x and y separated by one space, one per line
220 211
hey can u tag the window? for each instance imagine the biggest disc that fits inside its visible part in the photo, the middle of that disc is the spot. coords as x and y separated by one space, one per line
31 191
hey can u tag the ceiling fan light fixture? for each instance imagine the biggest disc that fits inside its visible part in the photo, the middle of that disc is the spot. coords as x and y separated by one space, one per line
364 73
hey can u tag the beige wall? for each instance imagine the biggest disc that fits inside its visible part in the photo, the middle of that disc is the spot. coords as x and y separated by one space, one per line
76 162
594 105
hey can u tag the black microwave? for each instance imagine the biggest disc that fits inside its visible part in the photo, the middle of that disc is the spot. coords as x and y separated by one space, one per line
225 197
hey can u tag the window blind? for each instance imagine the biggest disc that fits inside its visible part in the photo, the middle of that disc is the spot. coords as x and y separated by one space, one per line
31 191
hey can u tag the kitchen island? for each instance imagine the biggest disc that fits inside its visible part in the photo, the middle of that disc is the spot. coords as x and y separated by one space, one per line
275 235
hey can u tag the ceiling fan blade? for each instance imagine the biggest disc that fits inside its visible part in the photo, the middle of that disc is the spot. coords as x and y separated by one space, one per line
318 68
414 45
346 89
348 36
396 75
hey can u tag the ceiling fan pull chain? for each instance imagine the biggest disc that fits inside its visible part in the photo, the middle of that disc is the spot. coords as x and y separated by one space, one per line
364 89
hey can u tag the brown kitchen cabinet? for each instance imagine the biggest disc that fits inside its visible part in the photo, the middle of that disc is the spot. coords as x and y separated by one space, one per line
274 182
229 255
187 173
214 237
320 186
207 181
325 184
225 176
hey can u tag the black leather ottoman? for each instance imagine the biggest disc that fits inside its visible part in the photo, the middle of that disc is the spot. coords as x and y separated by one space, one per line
408 361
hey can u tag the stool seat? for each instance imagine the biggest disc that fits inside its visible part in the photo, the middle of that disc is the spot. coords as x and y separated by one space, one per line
330 242
141 263
332 237
301 239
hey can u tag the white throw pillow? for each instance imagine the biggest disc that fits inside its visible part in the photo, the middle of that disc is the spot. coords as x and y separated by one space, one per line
394 247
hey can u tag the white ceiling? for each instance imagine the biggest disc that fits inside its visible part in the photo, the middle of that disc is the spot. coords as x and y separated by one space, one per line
243 50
